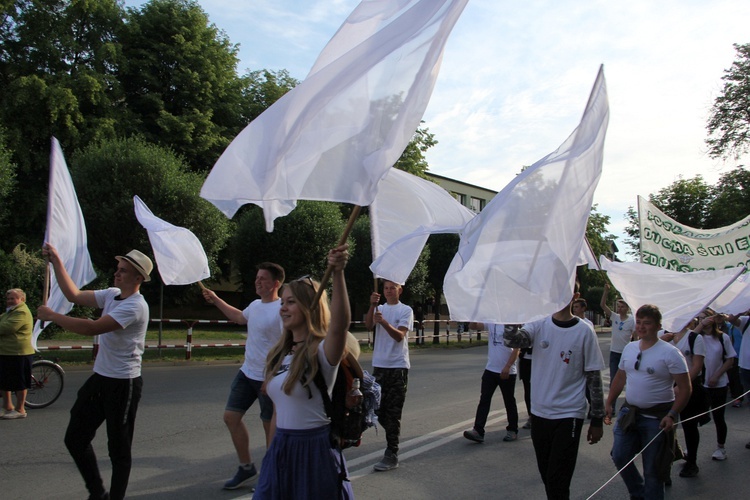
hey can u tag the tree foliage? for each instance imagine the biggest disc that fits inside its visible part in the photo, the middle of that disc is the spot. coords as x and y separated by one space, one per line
729 123
412 160
180 81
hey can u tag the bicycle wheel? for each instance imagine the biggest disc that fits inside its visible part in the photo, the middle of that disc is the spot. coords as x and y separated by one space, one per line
47 380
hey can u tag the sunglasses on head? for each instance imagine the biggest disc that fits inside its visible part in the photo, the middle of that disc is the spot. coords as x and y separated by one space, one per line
306 279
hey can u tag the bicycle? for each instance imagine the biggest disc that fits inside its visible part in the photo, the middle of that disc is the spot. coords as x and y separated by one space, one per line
47 381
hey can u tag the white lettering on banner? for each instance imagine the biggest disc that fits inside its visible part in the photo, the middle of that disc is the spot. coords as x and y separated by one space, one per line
667 243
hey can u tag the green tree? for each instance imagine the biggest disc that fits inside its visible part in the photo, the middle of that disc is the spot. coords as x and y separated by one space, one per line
632 229
730 199
262 88
598 237
7 180
57 60
134 167
180 80
412 160
300 241
729 123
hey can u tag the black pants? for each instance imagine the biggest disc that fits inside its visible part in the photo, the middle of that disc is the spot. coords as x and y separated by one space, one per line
116 402
393 383
556 447
490 382
718 396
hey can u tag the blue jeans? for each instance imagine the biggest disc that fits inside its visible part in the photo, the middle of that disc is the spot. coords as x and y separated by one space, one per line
627 444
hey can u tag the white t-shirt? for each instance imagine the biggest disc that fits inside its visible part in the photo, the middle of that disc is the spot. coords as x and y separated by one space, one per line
744 358
622 332
561 356
713 360
683 345
498 353
387 352
297 410
264 328
120 352
652 382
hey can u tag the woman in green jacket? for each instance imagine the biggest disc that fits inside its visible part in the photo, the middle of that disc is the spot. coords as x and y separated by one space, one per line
16 353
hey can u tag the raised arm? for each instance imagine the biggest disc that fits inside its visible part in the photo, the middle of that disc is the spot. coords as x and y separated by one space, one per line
341 315
81 326
67 287
232 313
603 302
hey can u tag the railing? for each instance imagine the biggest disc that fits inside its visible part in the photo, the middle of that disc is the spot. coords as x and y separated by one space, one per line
422 331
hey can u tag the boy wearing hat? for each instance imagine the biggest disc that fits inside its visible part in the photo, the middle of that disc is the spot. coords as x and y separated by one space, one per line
112 393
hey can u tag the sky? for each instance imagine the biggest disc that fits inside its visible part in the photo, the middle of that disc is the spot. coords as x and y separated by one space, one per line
516 76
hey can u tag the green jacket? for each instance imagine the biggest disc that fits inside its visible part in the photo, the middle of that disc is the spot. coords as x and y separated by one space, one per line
16 326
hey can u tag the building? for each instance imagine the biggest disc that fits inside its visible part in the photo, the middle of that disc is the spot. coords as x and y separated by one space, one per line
473 197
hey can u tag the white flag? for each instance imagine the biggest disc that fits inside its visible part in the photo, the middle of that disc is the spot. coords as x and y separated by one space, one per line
735 299
334 136
516 260
66 231
679 296
406 210
178 252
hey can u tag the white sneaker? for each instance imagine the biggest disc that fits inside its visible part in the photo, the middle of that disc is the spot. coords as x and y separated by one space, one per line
719 454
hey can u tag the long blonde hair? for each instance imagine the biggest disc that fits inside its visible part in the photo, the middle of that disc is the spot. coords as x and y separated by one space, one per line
305 359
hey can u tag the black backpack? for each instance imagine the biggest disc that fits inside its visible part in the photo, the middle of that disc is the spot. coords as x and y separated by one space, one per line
347 425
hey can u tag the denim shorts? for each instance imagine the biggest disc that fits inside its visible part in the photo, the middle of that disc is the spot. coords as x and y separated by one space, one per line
244 392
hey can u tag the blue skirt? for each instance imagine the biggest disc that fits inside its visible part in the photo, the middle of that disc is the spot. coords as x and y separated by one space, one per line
301 464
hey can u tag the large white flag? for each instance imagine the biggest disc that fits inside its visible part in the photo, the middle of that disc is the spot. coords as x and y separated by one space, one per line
66 231
516 260
178 252
406 210
333 137
679 296
735 299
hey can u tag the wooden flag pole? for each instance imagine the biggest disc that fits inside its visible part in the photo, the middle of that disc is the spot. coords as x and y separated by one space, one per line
45 292
342 240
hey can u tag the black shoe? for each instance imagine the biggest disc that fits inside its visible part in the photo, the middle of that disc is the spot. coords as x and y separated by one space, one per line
689 470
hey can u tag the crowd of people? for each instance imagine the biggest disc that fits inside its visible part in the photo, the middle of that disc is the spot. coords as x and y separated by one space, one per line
295 335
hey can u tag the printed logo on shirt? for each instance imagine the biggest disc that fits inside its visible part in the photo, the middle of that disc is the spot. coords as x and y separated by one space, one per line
566 356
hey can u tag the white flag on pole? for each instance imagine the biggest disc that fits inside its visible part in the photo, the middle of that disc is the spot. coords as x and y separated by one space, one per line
679 296
516 260
66 231
334 136
178 252
735 299
406 210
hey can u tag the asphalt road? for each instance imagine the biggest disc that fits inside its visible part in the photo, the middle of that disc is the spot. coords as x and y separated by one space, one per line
183 451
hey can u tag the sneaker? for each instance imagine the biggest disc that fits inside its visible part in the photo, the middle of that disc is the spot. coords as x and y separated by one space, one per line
388 462
527 425
241 477
510 436
737 403
689 470
719 454
473 435
13 414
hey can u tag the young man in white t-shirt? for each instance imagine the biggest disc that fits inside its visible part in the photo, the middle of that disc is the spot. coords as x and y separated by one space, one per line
390 361
623 326
657 390
264 328
567 360
112 393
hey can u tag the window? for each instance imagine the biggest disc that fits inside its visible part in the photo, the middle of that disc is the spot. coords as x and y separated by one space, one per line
461 198
477 204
